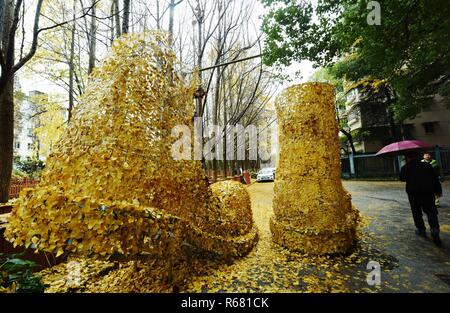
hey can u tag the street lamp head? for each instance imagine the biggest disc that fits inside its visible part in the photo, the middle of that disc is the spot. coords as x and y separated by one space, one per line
199 93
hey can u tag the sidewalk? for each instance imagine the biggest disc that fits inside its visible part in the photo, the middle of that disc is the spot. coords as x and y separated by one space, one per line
417 265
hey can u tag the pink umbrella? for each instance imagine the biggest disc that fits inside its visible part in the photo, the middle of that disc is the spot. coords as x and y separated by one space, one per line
403 146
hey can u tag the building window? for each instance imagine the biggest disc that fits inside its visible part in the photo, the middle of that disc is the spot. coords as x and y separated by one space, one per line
353 115
30 146
17 145
429 127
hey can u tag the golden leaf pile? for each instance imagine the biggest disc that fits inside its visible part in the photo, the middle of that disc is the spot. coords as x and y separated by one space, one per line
111 185
233 201
313 212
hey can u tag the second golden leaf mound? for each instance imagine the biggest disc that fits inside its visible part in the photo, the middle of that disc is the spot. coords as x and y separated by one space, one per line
313 211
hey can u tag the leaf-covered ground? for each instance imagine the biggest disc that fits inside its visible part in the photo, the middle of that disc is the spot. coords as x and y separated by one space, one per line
408 263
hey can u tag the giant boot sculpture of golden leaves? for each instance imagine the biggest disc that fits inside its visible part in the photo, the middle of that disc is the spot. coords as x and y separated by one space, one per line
111 184
313 212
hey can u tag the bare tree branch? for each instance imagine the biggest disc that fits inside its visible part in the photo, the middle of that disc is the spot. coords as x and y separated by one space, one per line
37 31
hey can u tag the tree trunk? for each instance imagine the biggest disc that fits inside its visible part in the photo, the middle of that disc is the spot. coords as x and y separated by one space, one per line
71 66
158 16
346 133
392 127
225 122
92 39
217 95
112 12
350 139
2 11
6 103
171 11
126 16
200 54
199 103
117 10
6 138
172 6
225 169
216 122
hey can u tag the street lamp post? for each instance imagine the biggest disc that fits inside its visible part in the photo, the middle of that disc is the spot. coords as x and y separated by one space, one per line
198 96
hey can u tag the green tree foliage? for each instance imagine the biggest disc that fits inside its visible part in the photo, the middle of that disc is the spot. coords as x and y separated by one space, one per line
30 166
16 275
410 48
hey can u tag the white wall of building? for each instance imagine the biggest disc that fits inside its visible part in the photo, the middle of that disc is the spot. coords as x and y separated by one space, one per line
24 145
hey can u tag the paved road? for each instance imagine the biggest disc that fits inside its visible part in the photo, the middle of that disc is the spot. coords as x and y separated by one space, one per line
408 263
417 265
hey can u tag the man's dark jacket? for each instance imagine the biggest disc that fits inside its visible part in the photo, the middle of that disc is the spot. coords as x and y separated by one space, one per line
420 177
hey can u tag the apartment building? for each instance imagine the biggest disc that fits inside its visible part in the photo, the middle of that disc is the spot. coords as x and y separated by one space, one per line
369 121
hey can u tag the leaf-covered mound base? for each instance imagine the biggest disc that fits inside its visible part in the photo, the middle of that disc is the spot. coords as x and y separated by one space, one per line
339 240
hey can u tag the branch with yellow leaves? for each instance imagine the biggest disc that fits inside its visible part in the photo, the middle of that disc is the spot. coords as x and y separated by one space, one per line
7 61
38 30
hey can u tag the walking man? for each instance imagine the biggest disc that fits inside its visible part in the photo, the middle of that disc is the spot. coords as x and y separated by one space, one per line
422 184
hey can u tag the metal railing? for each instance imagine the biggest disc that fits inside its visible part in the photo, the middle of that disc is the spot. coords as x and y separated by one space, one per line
18 185
371 166
368 166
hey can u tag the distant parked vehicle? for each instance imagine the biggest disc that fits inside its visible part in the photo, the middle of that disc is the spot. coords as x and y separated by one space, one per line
266 174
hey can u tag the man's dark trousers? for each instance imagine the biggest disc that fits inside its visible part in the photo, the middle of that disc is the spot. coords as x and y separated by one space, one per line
423 202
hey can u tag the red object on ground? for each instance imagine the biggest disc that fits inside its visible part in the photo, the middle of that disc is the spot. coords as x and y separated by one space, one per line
403 146
247 177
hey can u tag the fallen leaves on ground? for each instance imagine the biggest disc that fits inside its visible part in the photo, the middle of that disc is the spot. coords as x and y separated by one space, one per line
267 268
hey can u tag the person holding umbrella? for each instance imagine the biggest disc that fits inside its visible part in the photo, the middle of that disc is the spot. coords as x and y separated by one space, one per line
422 184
